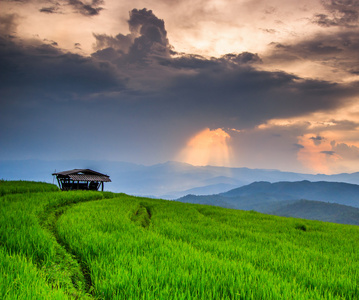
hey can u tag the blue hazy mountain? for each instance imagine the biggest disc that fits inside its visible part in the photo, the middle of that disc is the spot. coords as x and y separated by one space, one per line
327 197
168 180
316 210
334 192
326 201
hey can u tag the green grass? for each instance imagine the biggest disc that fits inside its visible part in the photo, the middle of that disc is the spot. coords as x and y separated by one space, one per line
78 245
15 187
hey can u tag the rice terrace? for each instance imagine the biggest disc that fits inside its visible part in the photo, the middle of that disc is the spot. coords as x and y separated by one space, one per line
103 245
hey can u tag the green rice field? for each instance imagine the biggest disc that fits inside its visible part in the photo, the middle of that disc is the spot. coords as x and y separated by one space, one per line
102 245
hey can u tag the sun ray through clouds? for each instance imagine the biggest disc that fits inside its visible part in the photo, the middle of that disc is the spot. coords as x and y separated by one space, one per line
208 147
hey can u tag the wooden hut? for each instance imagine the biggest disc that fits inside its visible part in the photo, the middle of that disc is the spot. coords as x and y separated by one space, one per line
81 179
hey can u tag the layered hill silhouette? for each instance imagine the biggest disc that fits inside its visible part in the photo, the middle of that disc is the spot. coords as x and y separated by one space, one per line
326 201
268 191
169 180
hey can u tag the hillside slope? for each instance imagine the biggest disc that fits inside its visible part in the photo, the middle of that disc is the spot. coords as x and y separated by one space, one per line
93 245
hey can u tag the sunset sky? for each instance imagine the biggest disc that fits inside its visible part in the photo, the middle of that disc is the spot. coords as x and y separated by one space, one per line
259 84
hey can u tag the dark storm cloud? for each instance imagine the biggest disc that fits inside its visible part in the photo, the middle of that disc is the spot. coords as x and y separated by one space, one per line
247 96
120 42
330 153
148 39
338 50
335 125
52 43
141 20
49 10
44 69
197 62
340 13
8 25
229 90
133 87
344 125
317 140
152 35
298 146
87 9
319 47
46 100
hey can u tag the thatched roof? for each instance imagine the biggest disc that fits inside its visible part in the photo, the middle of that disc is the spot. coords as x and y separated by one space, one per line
83 175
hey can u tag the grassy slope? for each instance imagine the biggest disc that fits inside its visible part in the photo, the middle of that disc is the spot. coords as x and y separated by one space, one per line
17 187
28 244
67 245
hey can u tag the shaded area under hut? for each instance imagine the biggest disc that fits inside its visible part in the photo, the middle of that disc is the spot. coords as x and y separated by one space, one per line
81 179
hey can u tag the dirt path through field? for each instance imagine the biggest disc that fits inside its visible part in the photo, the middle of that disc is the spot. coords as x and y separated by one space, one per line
67 259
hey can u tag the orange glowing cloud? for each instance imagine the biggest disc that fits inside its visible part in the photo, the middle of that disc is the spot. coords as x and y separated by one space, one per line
208 147
327 142
317 154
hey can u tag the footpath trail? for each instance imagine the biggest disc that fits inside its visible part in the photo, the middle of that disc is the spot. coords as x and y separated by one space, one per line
142 215
67 260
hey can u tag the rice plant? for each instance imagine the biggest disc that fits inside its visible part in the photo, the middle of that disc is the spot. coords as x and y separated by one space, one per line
93 245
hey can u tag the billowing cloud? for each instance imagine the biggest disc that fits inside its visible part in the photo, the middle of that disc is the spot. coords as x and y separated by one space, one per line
349 152
328 152
335 50
137 97
298 146
339 13
8 24
329 51
317 157
317 140
49 9
44 69
119 43
148 37
228 90
86 8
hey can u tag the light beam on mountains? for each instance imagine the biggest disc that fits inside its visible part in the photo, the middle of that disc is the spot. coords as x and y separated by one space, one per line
208 147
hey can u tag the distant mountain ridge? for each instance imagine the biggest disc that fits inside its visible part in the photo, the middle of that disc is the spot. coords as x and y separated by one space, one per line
267 191
316 210
168 180
327 201
334 192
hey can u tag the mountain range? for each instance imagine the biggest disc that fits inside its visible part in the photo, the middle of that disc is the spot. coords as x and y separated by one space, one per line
331 198
169 180
326 201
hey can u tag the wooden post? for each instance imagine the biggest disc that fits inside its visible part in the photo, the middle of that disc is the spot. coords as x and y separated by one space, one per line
102 186
59 182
